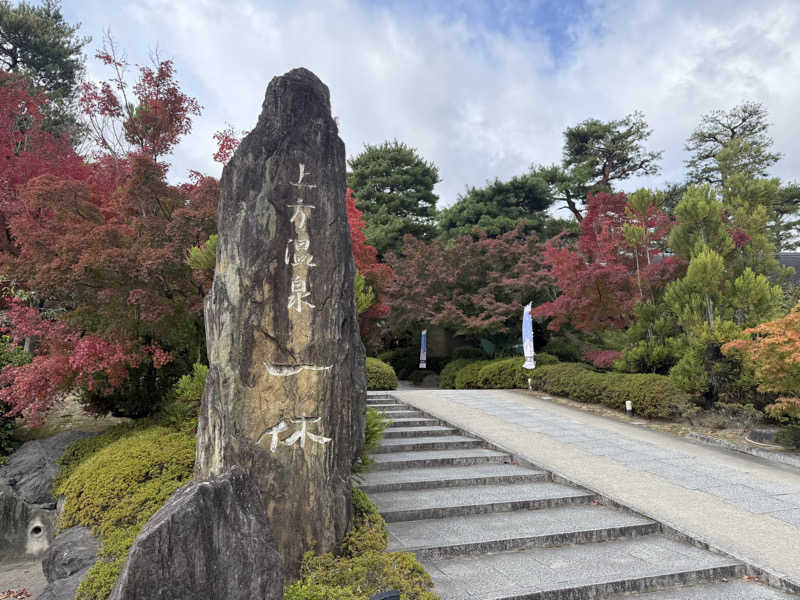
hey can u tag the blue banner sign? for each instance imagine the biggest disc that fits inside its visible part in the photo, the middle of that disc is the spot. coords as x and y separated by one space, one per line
423 350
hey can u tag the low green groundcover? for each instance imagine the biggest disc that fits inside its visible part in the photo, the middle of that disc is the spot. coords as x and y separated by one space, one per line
114 482
364 567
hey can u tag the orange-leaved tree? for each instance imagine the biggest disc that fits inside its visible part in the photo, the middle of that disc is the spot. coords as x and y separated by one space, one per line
774 349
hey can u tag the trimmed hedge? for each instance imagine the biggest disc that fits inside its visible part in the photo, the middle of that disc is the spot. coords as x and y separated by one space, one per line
467 377
500 373
447 379
380 376
652 395
507 373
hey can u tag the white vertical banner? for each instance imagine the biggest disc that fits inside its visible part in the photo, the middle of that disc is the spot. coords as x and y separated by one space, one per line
527 338
423 350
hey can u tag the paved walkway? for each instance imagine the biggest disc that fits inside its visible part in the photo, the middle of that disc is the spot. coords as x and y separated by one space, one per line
739 504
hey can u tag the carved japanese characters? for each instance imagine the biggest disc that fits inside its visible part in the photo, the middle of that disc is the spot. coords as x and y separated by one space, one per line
286 386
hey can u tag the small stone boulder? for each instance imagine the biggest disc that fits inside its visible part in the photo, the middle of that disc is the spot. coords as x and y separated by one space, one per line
32 469
210 540
73 550
63 589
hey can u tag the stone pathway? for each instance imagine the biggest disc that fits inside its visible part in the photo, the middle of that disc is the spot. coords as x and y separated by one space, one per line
485 527
736 487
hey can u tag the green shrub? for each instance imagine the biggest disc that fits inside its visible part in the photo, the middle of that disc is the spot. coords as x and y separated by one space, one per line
190 387
403 360
374 424
447 379
789 436
364 568
470 352
369 532
418 375
306 590
563 349
652 395
13 355
467 377
704 371
113 483
380 376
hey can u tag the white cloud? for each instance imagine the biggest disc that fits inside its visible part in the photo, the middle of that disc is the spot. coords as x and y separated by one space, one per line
476 102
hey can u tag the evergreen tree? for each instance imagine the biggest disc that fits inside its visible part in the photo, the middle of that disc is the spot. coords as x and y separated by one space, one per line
724 289
737 137
394 187
499 207
37 43
595 155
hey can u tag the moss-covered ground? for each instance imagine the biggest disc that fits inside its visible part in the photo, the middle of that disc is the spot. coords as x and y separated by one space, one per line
114 482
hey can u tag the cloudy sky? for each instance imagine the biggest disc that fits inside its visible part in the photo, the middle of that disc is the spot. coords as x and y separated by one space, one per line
482 88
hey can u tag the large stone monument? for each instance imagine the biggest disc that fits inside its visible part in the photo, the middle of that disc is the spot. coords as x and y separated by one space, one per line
286 387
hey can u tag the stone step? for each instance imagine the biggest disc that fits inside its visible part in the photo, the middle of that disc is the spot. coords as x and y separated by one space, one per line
377 395
410 432
500 532
412 505
385 407
413 422
736 589
435 458
578 572
401 414
442 442
443 477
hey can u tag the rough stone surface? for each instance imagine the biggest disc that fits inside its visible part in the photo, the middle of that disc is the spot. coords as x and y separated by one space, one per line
25 529
210 540
33 467
286 360
73 550
63 589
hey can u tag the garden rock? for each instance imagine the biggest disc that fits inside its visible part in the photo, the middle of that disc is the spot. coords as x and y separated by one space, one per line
286 388
25 529
210 540
63 589
73 550
33 467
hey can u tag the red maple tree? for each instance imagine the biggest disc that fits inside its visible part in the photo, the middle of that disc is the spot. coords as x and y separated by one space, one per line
377 275
473 287
617 263
148 117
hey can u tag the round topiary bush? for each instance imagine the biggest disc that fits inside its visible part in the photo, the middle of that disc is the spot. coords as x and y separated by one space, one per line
467 377
447 379
380 376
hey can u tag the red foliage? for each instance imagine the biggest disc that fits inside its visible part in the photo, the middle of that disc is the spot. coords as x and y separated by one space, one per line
152 121
227 142
603 280
27 151
603 359
377 275
119 262
64 358
472 287
740 237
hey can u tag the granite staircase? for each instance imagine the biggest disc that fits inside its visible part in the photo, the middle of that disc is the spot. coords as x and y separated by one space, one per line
485 527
